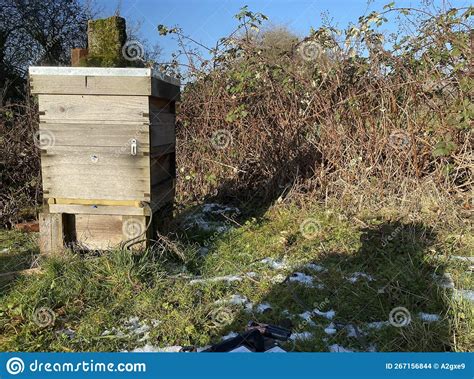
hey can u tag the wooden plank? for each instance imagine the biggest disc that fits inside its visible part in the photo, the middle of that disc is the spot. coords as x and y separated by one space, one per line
106 157
98 173
98 210
160 105
93 108
127 203
156 151
86 187
162 194
161 168
45 242
90 85
98 232
160 88
51 233
134 231
95 134
162 129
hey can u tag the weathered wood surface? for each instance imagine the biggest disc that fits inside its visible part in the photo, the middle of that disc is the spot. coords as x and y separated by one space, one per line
93 108
95 185
98 210
98 232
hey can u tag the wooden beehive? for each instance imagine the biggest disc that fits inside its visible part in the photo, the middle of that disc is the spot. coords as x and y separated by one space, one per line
107 140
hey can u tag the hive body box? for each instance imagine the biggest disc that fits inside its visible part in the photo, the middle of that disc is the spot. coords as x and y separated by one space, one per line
107 140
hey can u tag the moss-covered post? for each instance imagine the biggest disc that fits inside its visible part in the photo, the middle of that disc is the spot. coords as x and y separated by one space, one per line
106 38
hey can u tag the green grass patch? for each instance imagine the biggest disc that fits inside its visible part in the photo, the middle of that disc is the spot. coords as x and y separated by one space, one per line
367 272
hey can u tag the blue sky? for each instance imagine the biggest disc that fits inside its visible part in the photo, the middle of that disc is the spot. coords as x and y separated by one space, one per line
209 20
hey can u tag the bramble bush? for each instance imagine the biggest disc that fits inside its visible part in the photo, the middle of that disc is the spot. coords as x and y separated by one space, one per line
338 109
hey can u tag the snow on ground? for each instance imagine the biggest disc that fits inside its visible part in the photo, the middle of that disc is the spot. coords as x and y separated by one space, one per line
301 336
377 325
307 317
330 329
204 218
229 336
445 281
339 349
429 317
315 267
467 295
357 275
274 264
154 349
329 314
226 278
302 278
261 308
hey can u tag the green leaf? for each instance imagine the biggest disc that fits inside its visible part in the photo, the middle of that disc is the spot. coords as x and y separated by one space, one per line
389 5
444 148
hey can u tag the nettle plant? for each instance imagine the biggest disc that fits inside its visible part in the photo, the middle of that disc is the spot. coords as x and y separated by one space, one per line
360 104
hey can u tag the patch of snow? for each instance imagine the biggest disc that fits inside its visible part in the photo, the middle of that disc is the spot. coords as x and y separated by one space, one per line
377 324
276 349
114 331
445 281
339 349
251 274
134 326
235 299
315 267
307 317
302 278
457 257
301 336
353 331
274 264
263 307
226 278
69 333
218 209
465 295
429 317
229 336
329 314
241 349
372 348
5 251
357 275
330 329
200 349
154 349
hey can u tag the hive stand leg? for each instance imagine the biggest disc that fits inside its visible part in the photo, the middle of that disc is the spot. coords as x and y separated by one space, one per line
133 227
51 239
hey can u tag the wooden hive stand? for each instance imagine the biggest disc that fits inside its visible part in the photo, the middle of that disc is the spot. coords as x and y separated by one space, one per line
107 140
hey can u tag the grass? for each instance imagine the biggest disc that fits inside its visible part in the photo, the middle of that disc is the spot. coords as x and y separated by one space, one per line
93 294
